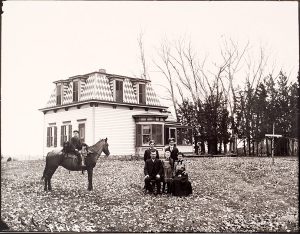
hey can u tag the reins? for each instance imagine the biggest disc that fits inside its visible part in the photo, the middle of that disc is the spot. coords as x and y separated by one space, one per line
96 152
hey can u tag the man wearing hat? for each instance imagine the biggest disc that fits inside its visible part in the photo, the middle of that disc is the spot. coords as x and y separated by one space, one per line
76 146
147 154
173 149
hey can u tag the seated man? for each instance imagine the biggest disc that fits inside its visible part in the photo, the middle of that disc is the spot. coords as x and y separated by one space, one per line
153 171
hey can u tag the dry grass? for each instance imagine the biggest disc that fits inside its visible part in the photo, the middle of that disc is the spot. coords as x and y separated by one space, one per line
229 195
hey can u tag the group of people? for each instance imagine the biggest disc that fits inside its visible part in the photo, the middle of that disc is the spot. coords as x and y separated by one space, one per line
170 171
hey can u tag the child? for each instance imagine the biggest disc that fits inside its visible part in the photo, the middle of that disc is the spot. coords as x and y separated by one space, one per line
168 171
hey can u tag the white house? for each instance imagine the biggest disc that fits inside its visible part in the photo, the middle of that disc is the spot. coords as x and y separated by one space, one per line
126 110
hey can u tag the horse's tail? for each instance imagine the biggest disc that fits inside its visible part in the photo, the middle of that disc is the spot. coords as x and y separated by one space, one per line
46 167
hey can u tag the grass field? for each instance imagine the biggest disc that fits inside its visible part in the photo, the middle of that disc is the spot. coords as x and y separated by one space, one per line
229 195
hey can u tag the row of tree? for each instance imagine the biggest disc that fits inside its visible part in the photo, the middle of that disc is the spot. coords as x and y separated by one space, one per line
273 104
235 97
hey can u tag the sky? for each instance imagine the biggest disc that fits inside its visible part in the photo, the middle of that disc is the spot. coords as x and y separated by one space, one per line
45 41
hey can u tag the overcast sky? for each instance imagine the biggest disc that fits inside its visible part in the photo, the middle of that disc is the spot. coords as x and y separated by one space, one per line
44 41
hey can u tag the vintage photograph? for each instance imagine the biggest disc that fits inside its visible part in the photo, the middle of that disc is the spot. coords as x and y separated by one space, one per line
149 116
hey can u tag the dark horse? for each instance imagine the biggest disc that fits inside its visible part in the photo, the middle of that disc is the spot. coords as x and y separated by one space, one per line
56 158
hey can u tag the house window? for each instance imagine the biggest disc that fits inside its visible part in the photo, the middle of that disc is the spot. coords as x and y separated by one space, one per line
184 136
65 133
146 132
75 91
157 133
58 94
52 136
119 91
81 129
142 94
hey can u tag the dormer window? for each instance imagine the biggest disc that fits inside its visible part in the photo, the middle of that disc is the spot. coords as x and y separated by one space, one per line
142 94
75 91
119 91
58 94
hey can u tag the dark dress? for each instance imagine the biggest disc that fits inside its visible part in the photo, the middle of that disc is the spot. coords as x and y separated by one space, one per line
181 185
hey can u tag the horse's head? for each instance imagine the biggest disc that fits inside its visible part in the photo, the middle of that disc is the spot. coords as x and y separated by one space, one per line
100 146
105 147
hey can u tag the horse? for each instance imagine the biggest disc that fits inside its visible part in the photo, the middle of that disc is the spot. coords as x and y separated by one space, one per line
56 158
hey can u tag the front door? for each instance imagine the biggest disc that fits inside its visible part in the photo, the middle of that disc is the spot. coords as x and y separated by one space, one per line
172 133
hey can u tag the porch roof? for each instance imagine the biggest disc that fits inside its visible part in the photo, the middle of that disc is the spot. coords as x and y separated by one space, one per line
149 114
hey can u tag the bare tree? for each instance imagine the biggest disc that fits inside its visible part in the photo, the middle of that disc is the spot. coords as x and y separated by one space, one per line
144 74
164 66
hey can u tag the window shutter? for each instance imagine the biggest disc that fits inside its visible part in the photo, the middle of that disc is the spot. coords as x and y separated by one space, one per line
55 136
70 132
138 135
166 135
61 135
48 136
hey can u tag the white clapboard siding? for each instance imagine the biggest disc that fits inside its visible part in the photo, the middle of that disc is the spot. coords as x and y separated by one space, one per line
118 126
73 114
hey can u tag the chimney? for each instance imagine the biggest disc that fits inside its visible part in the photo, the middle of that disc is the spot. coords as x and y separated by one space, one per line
102 70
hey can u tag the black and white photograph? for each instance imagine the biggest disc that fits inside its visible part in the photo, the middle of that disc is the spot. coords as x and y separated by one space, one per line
150 116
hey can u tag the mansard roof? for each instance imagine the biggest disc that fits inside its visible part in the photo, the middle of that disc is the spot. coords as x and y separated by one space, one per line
99 86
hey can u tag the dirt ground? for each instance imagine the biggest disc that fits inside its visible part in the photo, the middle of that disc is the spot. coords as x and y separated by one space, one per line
229 195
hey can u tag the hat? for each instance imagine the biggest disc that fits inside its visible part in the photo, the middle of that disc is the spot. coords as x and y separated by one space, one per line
151 142
153 151
76 131
171 140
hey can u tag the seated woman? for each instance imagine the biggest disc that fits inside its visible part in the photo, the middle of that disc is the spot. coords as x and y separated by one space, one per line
180 163
168 172
181 185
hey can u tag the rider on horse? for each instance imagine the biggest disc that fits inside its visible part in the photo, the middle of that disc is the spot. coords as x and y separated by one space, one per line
77 147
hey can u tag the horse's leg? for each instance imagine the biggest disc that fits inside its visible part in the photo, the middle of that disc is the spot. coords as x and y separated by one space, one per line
46 178
51 172
90 178
46 182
